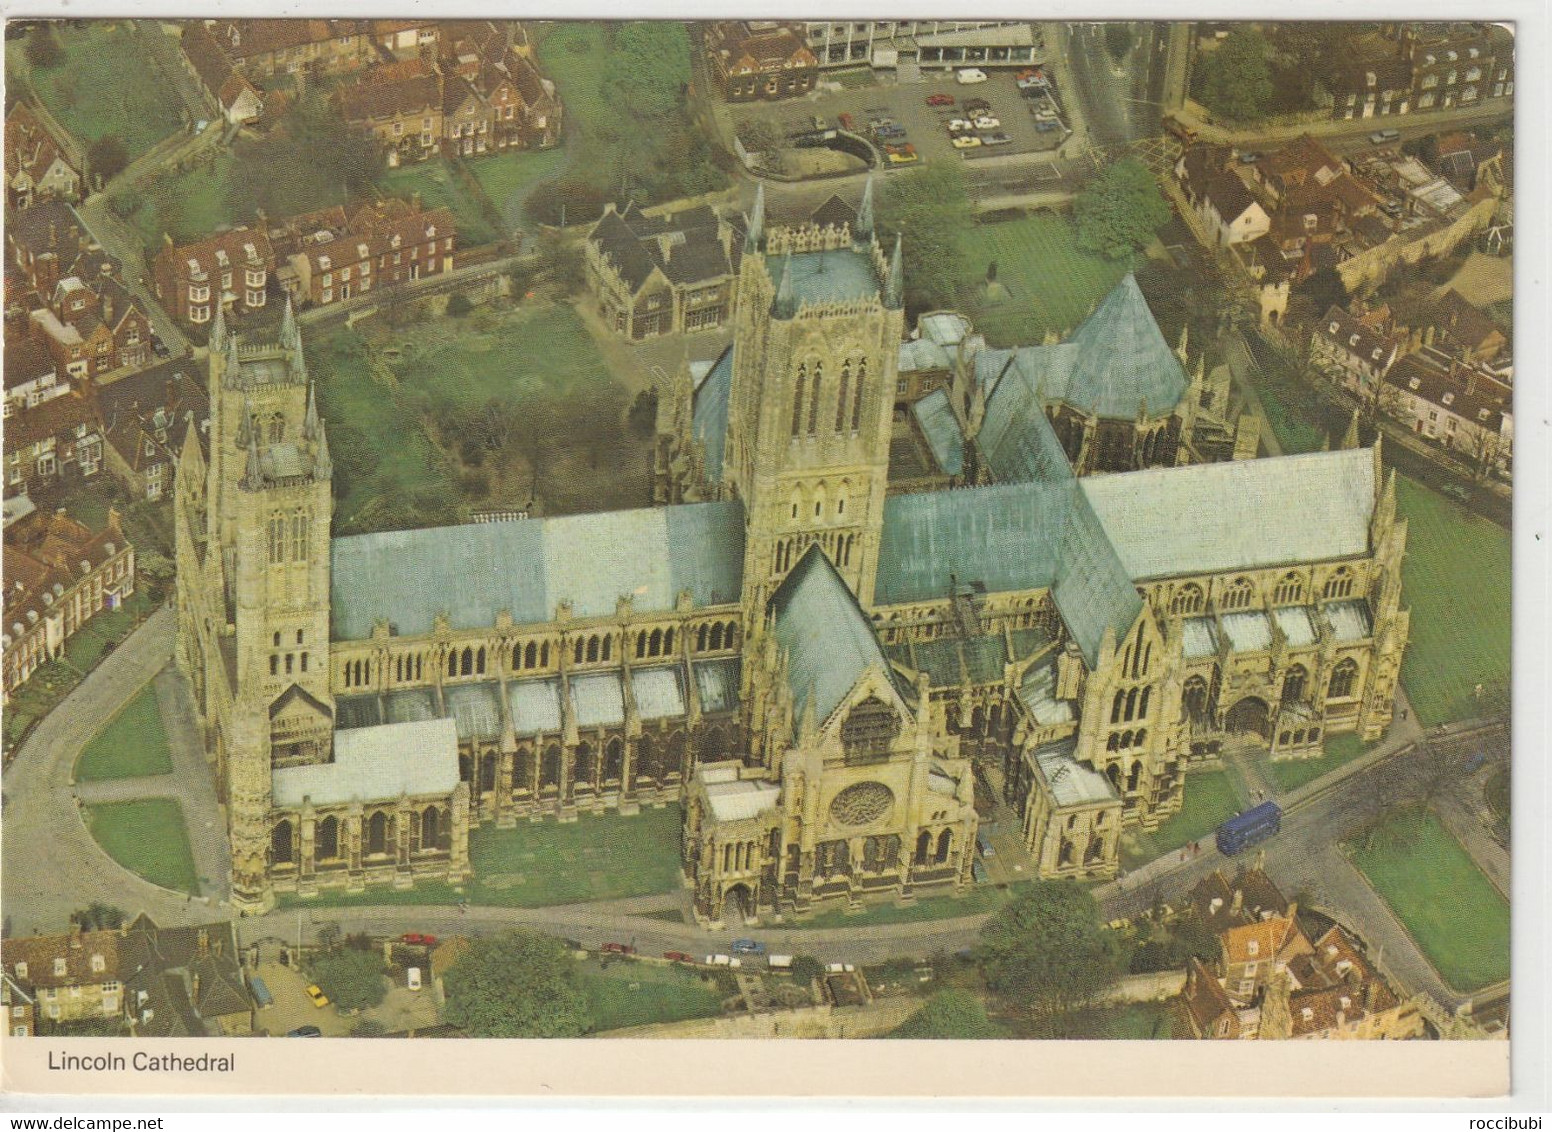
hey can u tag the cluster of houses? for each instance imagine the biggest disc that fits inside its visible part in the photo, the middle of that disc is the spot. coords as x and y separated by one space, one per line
1408 67
421 87
1277 976
1292 212
41 161
150 981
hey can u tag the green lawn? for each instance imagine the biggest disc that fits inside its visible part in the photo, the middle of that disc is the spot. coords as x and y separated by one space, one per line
1290 774
1051 284
86 648
147 837
636 994
1497 794
535 865
1210 801
440 186
978 899
574 55
1131 1021
1451 910
1456 579
187 206
508 178
132 745
104 86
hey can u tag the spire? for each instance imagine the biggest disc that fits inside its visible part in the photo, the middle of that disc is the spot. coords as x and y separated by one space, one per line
756 230
1350 437
310 427
785 307
323 467
218 331
288 331
894 285
245 426
864 229
233 365
255 475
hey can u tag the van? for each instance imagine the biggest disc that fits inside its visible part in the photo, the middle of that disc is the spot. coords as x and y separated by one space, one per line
839 968
1384 136
412 978
779 962
984 845
720 961
969 75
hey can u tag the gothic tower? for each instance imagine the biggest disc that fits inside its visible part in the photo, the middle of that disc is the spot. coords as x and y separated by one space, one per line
816 342
268 512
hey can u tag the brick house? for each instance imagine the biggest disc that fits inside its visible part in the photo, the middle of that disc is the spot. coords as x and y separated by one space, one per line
31 374
1350 348
402 107
145 419
760 59
239 99
58 441
330 256
49 242
1462 407
230 269
36 167
263 48
92 330
71 977
1219 197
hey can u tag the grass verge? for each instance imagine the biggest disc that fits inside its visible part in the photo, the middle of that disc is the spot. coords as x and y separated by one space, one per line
1290 774
1210 800
148 838
132 745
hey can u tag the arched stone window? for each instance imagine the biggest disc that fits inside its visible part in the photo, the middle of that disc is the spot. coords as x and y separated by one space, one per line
1188 599
668 641
429 828
647 758
1237 595
655 643
466 663
1340 584
1131 704
1142 706
544 655
282 844
528 655
326 839
277 428
674 761
479 661
923 846
592 648
797 399
1343 678
945 843
1193 698
584 764
1134 775
549 766
487 771
700 638
641 644
840 400
813 399
1290 590
522 769
1117 705
856 402
1114 742
377 833
614 760
1293 684
608 647
577 650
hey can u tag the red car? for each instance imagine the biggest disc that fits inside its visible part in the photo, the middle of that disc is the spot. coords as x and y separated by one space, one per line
418 939
678 957
617 949
940 100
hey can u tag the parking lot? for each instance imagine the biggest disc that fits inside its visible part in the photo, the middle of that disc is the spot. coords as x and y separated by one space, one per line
926 126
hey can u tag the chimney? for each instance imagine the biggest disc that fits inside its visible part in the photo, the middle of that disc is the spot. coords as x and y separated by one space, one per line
75 929
194 993
107 309
203 941
1239 901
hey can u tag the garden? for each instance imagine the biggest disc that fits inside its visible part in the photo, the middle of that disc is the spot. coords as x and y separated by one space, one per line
637 994
132 745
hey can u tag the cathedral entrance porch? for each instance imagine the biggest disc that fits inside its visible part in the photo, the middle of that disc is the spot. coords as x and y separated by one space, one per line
1250 716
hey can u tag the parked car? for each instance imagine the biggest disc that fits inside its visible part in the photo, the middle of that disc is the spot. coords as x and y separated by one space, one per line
987 122
412 978
965 141
977 106
1249 158
1034 82
1047 125
748 947
678 957
839 968
779 962
960 125
418 939
305 1032
723 961
617 949
1455 491
984 845
901 154
159 348
1179 129
890 133
315 993
1045 114
1384 136
996 139
819 122
968 75
940 100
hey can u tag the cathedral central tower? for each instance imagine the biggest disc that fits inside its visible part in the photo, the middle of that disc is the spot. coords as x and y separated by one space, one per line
816 345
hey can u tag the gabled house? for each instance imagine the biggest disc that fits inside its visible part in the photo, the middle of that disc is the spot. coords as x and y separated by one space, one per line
49 242
145 419
59 440
662 273
36 165
93 330
328 257
1219 197
760 59
70 977
184 982
1358 354
239 100
31 374
263 48
402 109
230 270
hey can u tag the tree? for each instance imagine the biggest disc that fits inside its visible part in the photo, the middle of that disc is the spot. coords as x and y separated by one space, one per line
562 263
326 162
642 419
760 135
930 209
949 1014
565 199
352 979
97 917
1237 77
1120 210
1049 951
515 985
43 50
106 158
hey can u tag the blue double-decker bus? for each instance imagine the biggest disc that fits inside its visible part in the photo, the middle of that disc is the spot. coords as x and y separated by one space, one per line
1249 828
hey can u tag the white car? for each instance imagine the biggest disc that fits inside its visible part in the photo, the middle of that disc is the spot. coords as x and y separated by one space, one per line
960 125
987 122
965 141
970 75
839 968
1045 115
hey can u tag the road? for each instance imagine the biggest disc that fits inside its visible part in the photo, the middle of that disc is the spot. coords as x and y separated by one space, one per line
121 242
1121 103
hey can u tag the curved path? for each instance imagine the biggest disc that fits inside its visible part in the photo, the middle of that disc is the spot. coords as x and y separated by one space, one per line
53 864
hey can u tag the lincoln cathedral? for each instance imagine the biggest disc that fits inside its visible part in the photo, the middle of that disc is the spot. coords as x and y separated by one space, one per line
828 671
